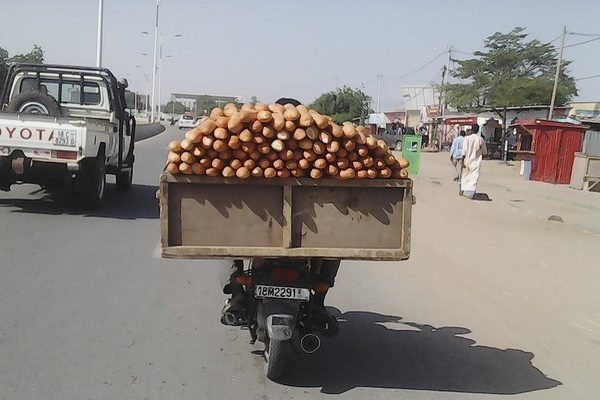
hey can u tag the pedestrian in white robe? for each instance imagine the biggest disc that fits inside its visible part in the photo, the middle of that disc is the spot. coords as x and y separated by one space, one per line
473 151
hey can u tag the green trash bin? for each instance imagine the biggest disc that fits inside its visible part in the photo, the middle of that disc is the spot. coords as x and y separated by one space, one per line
411 151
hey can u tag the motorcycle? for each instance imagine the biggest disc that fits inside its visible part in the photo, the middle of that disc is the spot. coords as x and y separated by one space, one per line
275 301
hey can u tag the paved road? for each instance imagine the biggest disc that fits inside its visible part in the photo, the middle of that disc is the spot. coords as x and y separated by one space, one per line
88 310
146 131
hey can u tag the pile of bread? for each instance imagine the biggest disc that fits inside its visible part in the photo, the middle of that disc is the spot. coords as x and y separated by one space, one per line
274 140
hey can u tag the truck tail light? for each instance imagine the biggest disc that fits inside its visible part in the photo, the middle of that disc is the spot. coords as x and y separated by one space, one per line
68 155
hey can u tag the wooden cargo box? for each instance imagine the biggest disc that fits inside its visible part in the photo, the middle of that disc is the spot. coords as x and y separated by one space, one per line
213 217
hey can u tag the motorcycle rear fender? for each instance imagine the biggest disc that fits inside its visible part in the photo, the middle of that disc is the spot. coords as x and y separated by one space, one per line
280 326
277 318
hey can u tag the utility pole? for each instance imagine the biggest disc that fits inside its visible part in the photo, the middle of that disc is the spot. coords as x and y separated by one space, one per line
379 76
560 56
154 66
442 100
445 73
99 38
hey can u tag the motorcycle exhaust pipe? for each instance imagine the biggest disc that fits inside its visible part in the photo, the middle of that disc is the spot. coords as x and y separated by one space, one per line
229 318
310 343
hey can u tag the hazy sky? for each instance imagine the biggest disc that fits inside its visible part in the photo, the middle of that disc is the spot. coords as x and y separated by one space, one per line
296 48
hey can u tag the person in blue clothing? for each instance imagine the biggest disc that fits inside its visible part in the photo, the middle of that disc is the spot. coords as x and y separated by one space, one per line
456 155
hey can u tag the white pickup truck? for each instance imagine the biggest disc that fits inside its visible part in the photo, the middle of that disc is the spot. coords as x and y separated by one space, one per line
65 128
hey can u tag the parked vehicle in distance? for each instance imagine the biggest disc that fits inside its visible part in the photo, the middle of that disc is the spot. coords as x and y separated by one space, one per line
64 128
392 137
187 121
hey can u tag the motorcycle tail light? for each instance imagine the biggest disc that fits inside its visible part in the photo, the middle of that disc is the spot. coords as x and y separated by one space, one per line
285 275
245 280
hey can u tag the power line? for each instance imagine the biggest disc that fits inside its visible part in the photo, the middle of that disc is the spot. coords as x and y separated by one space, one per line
584 42
554 40
588 77
463 52
418 69
584 34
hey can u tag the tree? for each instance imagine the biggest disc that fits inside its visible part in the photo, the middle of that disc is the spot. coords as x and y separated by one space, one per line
343 104
511 70
35 56
3 56
174 107
253 100
205 102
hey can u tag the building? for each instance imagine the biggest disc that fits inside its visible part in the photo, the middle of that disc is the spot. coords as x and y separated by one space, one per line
421 104
190 100
514 113
384 120
584 110
418 97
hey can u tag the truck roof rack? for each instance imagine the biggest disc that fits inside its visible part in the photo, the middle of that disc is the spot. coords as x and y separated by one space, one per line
62 68
53 68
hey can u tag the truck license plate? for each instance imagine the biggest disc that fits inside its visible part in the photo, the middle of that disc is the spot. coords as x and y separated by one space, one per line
281 292
65 138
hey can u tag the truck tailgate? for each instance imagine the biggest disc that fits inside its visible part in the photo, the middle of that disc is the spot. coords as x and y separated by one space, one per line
211 217
38 136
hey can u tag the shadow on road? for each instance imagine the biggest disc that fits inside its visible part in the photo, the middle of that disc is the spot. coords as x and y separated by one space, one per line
481 197
139 202
381 351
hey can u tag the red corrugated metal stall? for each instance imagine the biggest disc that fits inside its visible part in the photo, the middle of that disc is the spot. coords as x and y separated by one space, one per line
552 145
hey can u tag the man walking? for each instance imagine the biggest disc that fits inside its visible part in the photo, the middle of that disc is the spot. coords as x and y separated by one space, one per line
473 150
456 154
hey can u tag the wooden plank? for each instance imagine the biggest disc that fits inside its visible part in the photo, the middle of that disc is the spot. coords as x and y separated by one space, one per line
201 252
406 220
348 217
198 179
232 215
163 197
590 183
287 217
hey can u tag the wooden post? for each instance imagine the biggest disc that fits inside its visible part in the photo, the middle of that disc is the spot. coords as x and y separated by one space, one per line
287 215
557 75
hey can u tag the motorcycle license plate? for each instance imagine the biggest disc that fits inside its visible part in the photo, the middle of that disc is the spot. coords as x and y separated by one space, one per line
281 292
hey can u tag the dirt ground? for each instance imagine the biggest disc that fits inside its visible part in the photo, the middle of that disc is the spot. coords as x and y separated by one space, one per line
495 299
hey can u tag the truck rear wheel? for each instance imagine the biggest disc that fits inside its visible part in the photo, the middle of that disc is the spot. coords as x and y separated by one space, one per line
124 179
95 185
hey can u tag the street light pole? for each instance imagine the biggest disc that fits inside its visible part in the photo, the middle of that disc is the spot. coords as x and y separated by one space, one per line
160 63
378 91
154 64
99 38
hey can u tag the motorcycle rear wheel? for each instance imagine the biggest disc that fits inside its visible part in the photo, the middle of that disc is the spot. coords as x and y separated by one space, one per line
277 354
